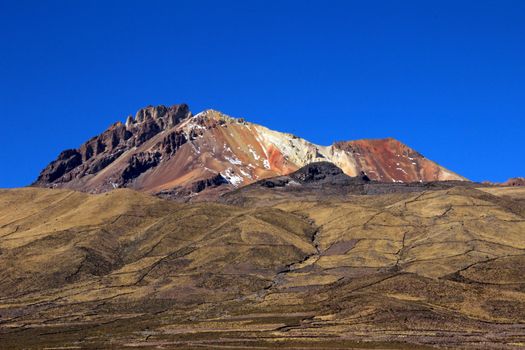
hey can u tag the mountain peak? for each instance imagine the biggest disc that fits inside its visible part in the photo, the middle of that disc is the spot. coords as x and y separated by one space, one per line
164 117
212 114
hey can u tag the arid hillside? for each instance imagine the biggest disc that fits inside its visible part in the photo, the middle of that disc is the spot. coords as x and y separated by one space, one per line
429 267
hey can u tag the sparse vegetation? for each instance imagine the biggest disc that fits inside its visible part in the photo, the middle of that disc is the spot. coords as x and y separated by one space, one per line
398 271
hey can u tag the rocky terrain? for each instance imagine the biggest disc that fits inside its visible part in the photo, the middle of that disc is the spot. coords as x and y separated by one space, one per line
171 152
322 180
314 259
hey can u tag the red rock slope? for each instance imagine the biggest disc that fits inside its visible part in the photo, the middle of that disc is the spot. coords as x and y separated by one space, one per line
170 150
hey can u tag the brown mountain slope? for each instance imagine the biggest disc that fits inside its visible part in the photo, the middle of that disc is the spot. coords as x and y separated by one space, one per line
401 270
517 181
170 151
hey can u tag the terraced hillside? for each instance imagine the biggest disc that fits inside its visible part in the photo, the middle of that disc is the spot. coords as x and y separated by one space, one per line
405 270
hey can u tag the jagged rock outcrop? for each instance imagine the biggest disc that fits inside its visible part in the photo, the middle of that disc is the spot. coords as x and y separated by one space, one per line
100 151
138 164
516 181
166 148
201 185
66 161
321 171
318 173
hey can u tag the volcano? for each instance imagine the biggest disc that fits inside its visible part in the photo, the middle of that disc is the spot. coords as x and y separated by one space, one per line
171 152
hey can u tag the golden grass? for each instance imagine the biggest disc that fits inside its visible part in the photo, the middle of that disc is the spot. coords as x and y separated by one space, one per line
439 267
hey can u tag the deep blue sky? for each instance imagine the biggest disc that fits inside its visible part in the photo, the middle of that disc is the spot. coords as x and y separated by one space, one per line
445 77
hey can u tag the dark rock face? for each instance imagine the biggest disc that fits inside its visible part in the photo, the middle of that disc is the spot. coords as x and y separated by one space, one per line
151 120
185 193
275 182
364 177
172 142
103 162
138 164
108 141
66 161
102 150
318 171
164 117
215 181
326 173
316 174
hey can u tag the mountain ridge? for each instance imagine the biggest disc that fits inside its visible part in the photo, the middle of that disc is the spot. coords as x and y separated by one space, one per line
170 150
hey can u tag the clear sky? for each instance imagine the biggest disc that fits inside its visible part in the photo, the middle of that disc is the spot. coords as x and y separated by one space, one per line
445 77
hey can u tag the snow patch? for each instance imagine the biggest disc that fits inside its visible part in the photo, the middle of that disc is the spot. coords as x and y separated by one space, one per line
233 160
245 174
199 114
232 178
196 126
254 154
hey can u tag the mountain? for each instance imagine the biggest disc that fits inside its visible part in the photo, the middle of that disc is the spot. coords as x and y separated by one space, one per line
171 152
286 244
295 266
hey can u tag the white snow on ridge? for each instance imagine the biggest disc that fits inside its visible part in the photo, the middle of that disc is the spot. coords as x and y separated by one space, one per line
254 154
245 174
232 178
233 160
403 170
200 114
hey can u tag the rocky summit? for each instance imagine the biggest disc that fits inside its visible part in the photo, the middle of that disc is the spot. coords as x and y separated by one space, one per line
173 153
